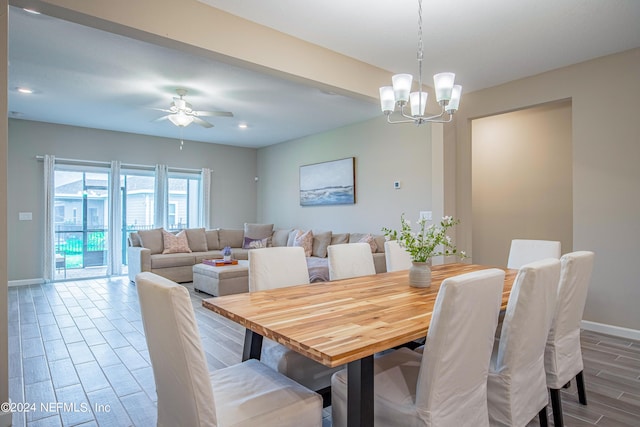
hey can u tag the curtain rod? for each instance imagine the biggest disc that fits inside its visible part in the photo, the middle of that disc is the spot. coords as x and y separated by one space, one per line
124 165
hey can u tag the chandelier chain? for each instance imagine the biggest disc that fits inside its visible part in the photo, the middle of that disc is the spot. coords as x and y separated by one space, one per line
420 53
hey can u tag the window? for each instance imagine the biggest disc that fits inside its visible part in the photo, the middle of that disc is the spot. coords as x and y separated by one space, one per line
184 200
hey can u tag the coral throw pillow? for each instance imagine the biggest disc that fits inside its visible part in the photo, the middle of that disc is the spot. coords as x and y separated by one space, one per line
175 243
304 240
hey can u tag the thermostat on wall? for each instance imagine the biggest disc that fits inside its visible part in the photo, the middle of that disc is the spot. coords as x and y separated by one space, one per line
396 184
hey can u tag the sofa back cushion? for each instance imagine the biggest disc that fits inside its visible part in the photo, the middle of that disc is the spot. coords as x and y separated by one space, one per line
197 239
321 240
338 239
134 239
152 240
233 238
280 237
258 231
213 240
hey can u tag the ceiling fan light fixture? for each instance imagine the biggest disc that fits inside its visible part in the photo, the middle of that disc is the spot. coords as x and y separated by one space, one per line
181 119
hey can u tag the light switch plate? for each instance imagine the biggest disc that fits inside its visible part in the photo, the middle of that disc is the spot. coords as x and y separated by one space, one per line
426 215
25 216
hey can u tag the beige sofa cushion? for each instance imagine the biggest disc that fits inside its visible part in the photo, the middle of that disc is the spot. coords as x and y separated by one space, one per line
258 231
213 240
338 239
320 243
280 237
172 260
152 240
197 239
233 238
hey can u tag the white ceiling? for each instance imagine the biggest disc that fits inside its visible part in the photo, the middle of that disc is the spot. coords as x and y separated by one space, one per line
87 77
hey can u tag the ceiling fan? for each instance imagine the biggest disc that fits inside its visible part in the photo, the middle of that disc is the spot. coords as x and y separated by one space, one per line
182 114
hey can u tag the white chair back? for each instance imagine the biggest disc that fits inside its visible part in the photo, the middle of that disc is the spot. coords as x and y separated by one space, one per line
517 383
277 267
350 260
185 395
396 257
524 251
563 357
452 383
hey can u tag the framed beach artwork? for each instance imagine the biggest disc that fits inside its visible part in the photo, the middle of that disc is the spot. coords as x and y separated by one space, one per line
328 183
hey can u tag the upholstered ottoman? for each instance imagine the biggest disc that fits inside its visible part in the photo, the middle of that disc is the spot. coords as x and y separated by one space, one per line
224 280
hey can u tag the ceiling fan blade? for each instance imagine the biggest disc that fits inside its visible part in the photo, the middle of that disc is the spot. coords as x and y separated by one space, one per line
214 113
201 122
160 119
164 110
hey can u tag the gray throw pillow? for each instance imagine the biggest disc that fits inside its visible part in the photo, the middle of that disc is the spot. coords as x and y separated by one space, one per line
320 243
338 239
152 240
258 231
197 239
280 237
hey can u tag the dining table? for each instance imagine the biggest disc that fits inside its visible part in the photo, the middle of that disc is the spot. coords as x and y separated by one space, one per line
344 322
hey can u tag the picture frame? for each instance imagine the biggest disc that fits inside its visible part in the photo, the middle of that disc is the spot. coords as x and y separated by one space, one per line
328 183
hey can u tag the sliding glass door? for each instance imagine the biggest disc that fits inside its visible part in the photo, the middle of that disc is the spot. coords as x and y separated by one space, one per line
81 207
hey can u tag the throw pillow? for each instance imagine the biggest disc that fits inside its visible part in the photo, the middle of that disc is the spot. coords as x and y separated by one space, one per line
255 243
338 239
292 236
152 240
134 240
258 231
175 243
371 241
280 237
320 243
305 241
197 239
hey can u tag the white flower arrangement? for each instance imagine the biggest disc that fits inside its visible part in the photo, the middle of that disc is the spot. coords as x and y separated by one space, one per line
429 241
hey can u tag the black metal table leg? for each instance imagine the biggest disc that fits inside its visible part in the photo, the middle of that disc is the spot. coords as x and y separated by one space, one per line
252 345
360 393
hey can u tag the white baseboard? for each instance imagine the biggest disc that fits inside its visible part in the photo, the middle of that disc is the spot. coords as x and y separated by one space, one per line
5 419
26 282
617 331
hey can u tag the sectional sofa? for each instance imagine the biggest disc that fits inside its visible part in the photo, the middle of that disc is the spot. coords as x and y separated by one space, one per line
145 249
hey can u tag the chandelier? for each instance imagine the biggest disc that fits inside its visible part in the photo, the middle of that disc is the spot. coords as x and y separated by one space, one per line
397 96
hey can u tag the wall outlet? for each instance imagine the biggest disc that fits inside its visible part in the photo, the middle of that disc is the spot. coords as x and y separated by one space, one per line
426 215
396 185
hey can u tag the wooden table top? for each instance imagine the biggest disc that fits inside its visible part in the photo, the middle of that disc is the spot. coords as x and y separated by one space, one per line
344 320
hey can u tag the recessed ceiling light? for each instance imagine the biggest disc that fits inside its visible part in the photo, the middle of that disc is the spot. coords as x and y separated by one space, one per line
35 12
243 126
25 90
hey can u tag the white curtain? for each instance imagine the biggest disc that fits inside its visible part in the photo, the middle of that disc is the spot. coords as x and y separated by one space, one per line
205 197
162 196
114 253
49 231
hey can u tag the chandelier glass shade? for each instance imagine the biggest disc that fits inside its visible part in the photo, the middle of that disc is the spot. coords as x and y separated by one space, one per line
397 96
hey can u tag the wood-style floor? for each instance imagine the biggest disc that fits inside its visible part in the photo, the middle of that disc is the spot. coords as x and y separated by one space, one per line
78 357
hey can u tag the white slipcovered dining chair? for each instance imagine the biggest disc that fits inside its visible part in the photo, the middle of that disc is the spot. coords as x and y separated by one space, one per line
396 257
524 251
247 394
563 356
516 386
447 384
279 267
349 260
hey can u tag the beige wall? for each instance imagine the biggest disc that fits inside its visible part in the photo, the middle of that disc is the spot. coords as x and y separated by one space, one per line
605 96
233 193
521 180
383 153
5 419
